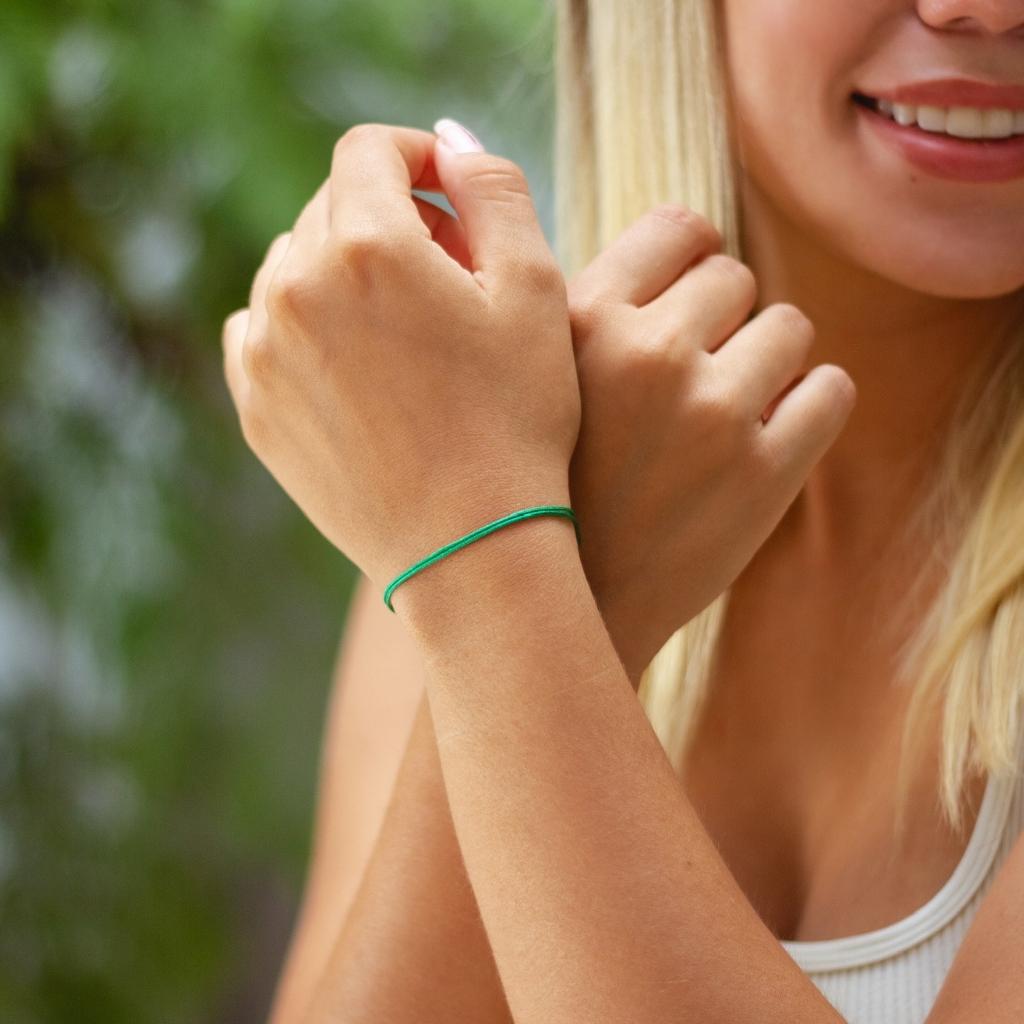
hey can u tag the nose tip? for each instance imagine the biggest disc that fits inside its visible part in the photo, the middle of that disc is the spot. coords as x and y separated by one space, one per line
993 17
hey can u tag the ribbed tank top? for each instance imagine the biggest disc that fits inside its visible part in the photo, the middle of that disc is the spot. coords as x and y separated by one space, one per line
894 974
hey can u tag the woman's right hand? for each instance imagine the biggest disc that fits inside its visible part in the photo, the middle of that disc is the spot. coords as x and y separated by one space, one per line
676 478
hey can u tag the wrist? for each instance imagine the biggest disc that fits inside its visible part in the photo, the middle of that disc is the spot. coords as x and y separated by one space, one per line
517 568
625 628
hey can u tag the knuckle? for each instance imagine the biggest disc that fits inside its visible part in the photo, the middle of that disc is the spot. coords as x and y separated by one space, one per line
252 426
499 176
280 241
661 355
721 409
287 296
271 259
364 132
793 319
355 246
364 245
684 217
648 360
545 276
736 271
233 323
366 264
257 358
665 344
586 311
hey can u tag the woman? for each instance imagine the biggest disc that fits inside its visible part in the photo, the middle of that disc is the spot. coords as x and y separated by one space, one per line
817 571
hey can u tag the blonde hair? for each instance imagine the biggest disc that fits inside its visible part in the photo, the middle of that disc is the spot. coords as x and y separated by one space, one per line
642 117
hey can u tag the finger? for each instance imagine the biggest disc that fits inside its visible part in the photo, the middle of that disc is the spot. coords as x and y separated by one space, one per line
807 420
232 338
648 256
446 231
766 354
491 196
258 293
274 254
773 404
314 221
313 225
374 169
709 302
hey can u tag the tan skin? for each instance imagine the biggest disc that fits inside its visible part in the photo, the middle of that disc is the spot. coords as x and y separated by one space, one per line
806 595
801 598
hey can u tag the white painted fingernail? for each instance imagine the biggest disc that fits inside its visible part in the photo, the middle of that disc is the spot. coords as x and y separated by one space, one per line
458 136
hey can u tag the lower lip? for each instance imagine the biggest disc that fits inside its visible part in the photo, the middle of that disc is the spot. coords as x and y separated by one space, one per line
946 157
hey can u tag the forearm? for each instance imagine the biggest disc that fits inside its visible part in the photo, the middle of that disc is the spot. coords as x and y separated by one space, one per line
413 948
407 970
603 897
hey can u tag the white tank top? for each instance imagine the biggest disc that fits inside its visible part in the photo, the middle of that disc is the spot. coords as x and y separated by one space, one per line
894 974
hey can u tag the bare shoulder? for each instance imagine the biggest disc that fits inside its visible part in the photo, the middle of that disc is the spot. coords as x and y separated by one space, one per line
378 681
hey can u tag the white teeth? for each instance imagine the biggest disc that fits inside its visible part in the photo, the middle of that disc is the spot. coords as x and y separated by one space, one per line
960 122
904 114
931 119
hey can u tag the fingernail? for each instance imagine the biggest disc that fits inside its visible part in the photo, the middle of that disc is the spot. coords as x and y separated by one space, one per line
458 136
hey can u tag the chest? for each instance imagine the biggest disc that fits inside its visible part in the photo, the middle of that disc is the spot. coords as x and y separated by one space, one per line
797 790
793 762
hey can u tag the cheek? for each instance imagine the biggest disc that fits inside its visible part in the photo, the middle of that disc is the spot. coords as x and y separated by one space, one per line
786 61
803 146
846 193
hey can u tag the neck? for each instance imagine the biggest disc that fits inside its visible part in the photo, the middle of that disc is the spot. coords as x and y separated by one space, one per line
909 354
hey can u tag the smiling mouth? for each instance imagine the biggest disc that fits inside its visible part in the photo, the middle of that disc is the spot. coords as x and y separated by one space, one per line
974 124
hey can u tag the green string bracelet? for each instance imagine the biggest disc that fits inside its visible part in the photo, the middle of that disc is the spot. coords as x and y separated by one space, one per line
512 517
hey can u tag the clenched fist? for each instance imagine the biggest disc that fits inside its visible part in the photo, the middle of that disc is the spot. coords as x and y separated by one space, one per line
408 378
700 424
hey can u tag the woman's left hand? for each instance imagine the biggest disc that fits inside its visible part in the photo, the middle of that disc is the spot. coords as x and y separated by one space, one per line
403 387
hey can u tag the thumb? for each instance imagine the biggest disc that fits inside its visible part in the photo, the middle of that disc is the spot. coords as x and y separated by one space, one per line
492 198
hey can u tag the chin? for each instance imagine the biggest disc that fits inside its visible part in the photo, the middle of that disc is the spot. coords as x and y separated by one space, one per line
948 268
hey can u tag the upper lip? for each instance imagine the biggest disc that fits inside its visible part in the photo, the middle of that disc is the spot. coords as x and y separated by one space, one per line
954 92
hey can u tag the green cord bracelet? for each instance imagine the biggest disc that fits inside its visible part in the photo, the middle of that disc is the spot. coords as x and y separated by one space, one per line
513 517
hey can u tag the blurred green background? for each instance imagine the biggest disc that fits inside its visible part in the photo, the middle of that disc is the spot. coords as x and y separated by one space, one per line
168 619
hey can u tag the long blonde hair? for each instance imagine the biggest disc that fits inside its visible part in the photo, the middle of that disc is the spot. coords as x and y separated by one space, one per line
642 117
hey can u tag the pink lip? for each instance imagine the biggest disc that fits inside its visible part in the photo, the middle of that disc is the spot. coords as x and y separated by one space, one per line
954 92
942 156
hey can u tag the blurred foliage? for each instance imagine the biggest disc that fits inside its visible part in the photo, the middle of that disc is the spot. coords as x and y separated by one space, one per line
168 619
